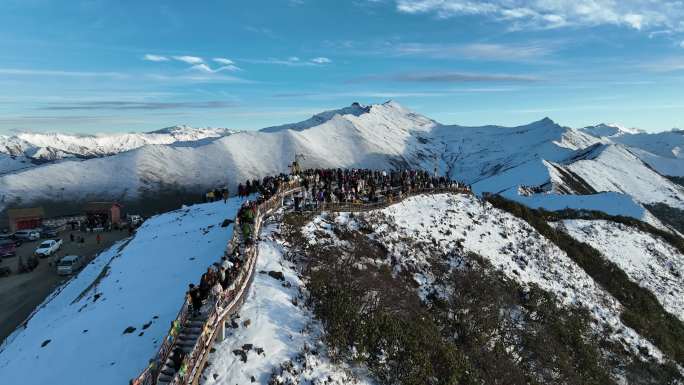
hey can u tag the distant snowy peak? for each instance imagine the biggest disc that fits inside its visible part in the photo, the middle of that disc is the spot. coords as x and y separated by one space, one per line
609 130
186 133
355 109
56 146
389 110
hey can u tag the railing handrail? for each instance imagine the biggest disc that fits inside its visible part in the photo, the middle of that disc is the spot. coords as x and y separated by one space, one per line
236 292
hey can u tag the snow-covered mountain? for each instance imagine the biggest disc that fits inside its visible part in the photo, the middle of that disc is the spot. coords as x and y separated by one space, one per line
355 109
609 130
542 163
28 149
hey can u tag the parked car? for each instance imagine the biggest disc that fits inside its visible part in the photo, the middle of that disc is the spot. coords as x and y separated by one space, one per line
49 232
69 264
49 247
135 220
11 237
7 248
27 235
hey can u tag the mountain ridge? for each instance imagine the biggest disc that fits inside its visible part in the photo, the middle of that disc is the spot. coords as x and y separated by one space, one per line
494 159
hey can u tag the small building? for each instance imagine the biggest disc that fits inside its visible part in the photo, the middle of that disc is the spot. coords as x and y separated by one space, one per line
101 214
26 218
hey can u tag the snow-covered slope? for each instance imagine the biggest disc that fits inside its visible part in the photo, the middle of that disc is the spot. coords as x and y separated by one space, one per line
649 261
280 330
10 163
663 151
447 230
615 168
494 158
78 335
355 109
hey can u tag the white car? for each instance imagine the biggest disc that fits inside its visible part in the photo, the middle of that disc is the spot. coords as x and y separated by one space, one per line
49 247
27 235
69 265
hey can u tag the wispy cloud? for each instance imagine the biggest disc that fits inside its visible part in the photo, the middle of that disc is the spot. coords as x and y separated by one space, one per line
199 77
321 60
636 14
129 105
223 60
23 123
292 61
155 58
189 59
207 69
448 77
535 50
61 73
482 51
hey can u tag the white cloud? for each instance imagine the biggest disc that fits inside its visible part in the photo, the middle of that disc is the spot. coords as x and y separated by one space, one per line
321 60
206 69
224 61
189 59
637 14
293 61
155 58
681 44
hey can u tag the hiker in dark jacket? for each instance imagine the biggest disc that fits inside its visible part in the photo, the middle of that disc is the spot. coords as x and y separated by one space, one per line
195 299
204 287
178 357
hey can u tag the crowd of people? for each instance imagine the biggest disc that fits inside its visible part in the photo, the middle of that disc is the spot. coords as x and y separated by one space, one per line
214 281
364 185
216 195
320 186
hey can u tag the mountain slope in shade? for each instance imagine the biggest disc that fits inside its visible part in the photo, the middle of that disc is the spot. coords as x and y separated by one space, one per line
542 160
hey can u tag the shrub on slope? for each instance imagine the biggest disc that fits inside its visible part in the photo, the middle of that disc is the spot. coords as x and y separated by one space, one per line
669 215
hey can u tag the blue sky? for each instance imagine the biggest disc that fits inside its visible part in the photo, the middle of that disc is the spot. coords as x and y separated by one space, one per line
109 66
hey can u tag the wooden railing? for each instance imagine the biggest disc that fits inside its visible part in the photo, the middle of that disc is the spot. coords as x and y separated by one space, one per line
232 298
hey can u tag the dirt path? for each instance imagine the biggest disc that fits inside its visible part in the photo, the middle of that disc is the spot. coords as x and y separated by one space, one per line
21 293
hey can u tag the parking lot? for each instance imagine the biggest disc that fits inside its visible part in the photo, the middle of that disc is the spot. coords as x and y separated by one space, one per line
21 293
